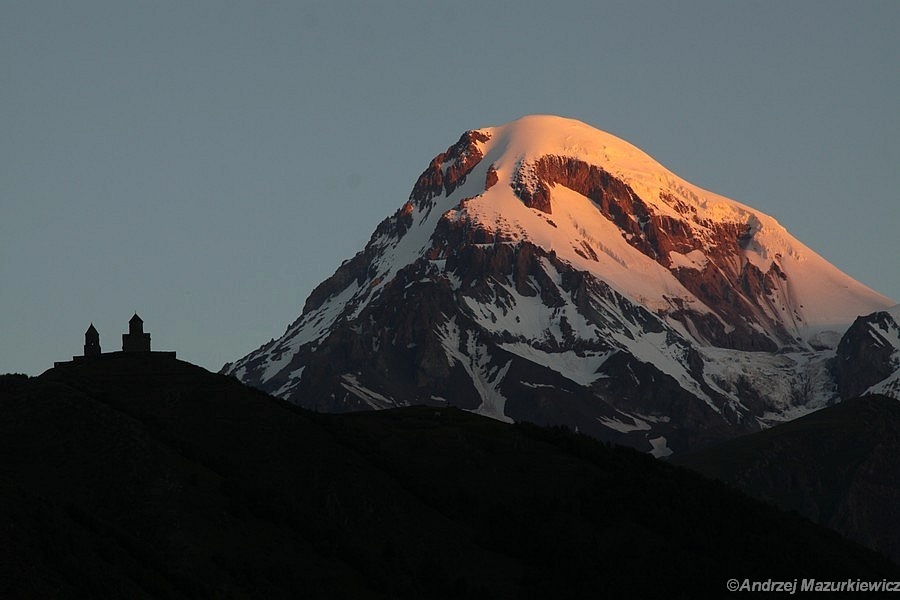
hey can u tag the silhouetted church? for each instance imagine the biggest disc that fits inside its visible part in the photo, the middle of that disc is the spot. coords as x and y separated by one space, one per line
135 341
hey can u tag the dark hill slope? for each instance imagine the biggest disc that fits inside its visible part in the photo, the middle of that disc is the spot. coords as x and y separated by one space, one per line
839 466
145 476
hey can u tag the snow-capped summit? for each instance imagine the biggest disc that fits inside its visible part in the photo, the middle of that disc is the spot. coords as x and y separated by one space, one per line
548 271
595 199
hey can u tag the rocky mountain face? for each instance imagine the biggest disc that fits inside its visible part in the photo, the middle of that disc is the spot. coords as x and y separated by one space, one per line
550 272
868 356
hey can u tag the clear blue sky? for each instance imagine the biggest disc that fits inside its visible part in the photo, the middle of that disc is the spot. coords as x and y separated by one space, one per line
207 163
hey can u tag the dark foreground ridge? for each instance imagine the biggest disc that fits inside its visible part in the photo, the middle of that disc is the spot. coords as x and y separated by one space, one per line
839 466
144 476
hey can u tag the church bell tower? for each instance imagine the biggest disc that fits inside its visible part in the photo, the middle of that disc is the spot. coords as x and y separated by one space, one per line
136 340
91 341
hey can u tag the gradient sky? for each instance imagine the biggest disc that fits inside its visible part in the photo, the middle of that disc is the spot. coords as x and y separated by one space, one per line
208 163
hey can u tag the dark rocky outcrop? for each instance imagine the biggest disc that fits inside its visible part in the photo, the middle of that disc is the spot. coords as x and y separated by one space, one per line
865 356
491 179
448 169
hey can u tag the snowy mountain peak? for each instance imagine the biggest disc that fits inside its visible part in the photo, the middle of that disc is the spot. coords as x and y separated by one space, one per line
594 199
550 262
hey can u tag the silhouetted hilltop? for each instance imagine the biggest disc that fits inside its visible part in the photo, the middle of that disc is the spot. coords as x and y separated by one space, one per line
139 475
